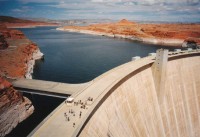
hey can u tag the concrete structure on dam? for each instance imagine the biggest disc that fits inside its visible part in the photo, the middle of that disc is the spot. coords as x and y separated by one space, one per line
49 88
149 97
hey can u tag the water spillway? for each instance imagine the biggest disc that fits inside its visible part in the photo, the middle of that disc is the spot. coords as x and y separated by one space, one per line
127 102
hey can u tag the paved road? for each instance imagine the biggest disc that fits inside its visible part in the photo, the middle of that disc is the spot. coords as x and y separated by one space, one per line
49 86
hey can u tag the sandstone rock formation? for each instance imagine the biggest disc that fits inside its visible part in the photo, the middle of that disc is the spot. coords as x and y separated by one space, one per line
18 59
14 108
162 34
3 42
124 21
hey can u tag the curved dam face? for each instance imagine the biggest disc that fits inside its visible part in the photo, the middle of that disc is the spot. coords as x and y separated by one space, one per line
134 109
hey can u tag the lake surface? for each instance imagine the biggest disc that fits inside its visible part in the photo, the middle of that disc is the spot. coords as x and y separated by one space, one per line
76 58
73 58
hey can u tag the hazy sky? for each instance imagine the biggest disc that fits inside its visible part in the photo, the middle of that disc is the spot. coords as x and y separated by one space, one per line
147 10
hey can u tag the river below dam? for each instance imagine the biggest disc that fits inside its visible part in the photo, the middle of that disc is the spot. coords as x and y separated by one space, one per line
73 58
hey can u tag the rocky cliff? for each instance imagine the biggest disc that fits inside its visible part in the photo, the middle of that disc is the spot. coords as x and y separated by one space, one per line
14 108
3 42
17 59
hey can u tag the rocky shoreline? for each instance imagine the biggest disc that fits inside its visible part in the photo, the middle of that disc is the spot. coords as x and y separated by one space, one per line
177 35
18 54
14 25
31 63
156 41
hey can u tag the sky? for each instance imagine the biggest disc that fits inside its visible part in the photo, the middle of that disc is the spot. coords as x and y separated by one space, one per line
139 10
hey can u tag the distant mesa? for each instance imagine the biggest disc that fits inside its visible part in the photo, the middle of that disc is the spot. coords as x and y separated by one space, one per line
8 19
12 22
125 21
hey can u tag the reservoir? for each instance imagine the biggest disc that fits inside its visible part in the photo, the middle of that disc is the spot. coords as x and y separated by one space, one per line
73 58
77 58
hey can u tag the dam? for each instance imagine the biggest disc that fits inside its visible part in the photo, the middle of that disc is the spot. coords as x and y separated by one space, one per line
72 58
153 96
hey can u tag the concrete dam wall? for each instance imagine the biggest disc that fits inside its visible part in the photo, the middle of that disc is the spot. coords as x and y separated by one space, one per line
134 109
155 96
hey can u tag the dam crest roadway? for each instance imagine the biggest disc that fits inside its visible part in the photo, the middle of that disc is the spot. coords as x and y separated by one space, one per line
88 114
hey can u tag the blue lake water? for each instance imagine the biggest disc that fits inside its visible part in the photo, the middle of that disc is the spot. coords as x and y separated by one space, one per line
73 58
77 58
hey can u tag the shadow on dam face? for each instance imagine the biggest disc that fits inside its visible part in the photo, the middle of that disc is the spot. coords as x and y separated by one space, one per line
132 107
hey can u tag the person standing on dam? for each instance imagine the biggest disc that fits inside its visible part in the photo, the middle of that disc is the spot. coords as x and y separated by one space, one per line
80 114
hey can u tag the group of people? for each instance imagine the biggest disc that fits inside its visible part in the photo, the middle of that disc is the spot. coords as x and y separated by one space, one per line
83 106
78 102
65 114
90 99
72 112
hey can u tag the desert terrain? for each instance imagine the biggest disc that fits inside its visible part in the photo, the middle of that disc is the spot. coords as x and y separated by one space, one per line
161 34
